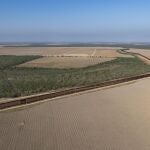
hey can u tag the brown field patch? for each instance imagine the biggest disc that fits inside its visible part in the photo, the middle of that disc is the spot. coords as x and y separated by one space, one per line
62 51
112 119
58 57
110 53
64 62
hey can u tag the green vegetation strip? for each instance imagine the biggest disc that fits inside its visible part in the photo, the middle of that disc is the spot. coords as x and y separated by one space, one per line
51 95
15 82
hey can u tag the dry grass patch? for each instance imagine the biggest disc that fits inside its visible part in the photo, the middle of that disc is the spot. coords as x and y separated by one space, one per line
62 51
64 62
110 53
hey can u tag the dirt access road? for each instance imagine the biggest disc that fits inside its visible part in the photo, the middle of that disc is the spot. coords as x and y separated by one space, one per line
144 55
116 118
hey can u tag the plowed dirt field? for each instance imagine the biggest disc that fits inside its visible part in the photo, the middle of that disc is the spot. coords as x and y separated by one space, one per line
117 118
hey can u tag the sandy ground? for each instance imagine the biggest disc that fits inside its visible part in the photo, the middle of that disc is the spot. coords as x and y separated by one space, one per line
64 62
112 119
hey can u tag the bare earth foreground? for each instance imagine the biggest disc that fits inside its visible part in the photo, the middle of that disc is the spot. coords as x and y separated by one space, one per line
116 118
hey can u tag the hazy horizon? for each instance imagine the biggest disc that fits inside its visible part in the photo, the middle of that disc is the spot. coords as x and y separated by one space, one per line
74 21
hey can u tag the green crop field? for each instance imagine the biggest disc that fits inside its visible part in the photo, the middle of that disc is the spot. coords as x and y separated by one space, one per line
16 82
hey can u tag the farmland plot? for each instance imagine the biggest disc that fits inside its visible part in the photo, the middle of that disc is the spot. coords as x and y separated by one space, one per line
43 51
50 51
64 62
64 57
110 53
19 81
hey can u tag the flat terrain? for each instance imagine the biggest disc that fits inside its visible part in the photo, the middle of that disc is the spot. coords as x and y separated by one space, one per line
19 81
64 62
53 68
50 51
109 53
111 119
65 57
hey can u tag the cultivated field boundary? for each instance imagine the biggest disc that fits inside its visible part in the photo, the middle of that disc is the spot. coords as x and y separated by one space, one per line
41 97
124 51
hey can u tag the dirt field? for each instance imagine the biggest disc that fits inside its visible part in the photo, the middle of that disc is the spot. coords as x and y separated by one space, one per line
65 57
64 62
111 119
111 53
42 51
58 51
